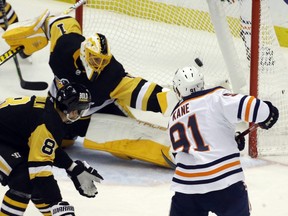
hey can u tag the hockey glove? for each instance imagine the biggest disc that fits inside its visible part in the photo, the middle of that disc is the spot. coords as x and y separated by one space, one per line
83 177
240 141
62 208
272 118
27 34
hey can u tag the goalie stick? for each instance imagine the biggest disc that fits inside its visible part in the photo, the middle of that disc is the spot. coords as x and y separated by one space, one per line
242 134
12 52
8 54
74 7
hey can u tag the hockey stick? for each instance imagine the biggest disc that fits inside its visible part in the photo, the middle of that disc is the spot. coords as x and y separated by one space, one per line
242 134
12 53
74 7
168 161
247 131
8 54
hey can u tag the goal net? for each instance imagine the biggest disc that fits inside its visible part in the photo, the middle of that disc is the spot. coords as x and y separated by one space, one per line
153 38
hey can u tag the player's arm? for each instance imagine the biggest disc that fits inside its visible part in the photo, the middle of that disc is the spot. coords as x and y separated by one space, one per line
80 172
238 107
141 94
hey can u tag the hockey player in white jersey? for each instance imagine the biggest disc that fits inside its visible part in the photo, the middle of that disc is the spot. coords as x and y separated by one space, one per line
208 175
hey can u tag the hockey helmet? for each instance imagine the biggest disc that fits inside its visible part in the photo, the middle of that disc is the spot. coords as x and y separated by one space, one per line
95 55
73 97
187 80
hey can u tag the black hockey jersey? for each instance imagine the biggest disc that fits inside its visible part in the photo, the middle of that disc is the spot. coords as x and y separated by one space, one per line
32 126
113 83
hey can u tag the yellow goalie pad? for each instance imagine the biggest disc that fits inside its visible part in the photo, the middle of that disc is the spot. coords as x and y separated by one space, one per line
144 150
28 34
129 138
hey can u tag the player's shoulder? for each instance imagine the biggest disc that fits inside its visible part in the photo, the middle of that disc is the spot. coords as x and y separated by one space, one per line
207 92
69 41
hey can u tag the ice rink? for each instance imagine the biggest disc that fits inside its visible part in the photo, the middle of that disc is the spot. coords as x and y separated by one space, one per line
130 188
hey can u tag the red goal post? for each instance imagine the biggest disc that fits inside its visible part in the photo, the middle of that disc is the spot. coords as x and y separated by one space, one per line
239 49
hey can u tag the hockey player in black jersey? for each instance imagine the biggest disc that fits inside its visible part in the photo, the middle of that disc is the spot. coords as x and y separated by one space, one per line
89 61
31 132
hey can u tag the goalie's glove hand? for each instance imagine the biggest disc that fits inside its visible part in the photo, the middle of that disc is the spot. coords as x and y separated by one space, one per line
272 118
62 208
240 141
83 177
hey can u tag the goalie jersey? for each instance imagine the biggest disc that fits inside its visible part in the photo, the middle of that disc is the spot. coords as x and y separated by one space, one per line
33 127
114 83
202 133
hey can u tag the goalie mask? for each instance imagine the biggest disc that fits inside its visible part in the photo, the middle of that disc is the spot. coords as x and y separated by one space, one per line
95 55
187 80
73 97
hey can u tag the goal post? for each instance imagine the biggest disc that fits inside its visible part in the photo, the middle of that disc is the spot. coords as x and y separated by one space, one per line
234 39
255 26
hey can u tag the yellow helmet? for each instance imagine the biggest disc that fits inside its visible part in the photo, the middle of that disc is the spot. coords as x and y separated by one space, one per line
95 55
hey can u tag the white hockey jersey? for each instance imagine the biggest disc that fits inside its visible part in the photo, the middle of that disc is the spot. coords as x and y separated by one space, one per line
202 133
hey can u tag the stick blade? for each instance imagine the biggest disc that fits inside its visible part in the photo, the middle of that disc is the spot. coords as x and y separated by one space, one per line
168 161
37 86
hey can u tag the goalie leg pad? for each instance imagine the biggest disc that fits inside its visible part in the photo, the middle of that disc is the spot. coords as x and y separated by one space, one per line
144 150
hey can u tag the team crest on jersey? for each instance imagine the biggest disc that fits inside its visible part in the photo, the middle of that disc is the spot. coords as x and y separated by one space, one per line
60 82
78 72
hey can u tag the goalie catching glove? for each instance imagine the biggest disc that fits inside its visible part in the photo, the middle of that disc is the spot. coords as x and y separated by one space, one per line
27 34
83 177
62 208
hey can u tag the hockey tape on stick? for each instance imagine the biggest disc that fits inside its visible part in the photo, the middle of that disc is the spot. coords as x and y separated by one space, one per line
9 54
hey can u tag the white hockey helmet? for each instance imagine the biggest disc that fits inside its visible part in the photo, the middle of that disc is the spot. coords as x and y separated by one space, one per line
187 80
95 55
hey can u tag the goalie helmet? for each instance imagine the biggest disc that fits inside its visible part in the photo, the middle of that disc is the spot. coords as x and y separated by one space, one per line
95 55
73 97
187 80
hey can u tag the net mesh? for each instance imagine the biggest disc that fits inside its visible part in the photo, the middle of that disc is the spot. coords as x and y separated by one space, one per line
153 38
